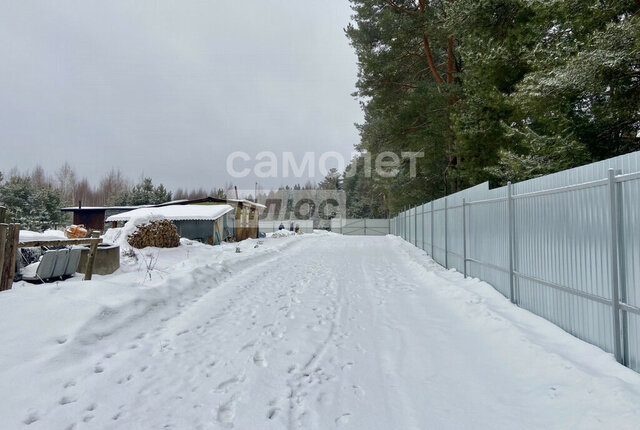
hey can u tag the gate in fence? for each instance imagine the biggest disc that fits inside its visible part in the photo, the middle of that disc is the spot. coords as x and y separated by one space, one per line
361 227
564 246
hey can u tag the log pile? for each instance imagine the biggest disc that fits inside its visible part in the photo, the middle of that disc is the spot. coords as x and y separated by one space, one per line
159 234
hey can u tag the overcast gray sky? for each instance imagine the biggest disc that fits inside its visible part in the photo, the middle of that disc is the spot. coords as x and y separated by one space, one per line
170 88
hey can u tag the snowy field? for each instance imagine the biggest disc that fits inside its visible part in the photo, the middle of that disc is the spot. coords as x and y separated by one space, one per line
317 331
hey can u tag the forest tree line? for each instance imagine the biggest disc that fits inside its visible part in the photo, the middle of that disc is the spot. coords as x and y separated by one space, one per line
491 90
34 198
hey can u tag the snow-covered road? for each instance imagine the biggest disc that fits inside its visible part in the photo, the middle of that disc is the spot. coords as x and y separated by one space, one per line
328 332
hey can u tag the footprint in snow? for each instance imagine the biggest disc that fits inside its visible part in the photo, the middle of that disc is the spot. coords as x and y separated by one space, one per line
31 418
66 400
247 346
224 385
343 419
359 392
226 413
259 359
347 366
273 412
323 398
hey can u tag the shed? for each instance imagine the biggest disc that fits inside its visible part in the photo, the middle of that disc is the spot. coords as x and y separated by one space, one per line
241 225
204 223
93 217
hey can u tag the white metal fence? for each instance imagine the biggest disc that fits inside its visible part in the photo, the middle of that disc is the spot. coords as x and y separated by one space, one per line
564 246
361 227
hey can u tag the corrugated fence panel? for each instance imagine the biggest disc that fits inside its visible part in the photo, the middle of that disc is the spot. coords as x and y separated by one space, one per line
439 242
420 227
629 163
426 221
564 239
633 321
561 249
629 219
455 243
488 243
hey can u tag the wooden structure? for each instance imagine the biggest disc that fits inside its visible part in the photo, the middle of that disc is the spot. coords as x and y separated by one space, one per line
247 217
10 243
247 214
94 241
94 217
245 224
9 237
196 222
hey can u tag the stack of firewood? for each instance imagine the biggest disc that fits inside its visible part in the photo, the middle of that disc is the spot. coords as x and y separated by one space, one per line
159 234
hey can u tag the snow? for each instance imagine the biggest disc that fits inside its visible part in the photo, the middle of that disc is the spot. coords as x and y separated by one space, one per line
281 233
248 203
314 331
175 213
31 236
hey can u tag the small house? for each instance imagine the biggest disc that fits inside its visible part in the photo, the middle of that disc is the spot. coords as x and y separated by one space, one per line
242 224
204 223
239 224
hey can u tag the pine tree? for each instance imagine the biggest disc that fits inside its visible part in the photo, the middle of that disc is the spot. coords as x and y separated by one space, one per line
35 208
143 193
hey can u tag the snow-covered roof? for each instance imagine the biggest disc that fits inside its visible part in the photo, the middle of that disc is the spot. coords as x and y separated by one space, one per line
248 203
176 213
217 200
170 203
100 208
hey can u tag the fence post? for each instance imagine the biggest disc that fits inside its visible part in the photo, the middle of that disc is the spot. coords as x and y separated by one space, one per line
415 226
615 299
510 215
365 226
4 231
432 230
405 228
446 233
3 214
14 253
93 250
10 248
464 236
422 222
622 269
